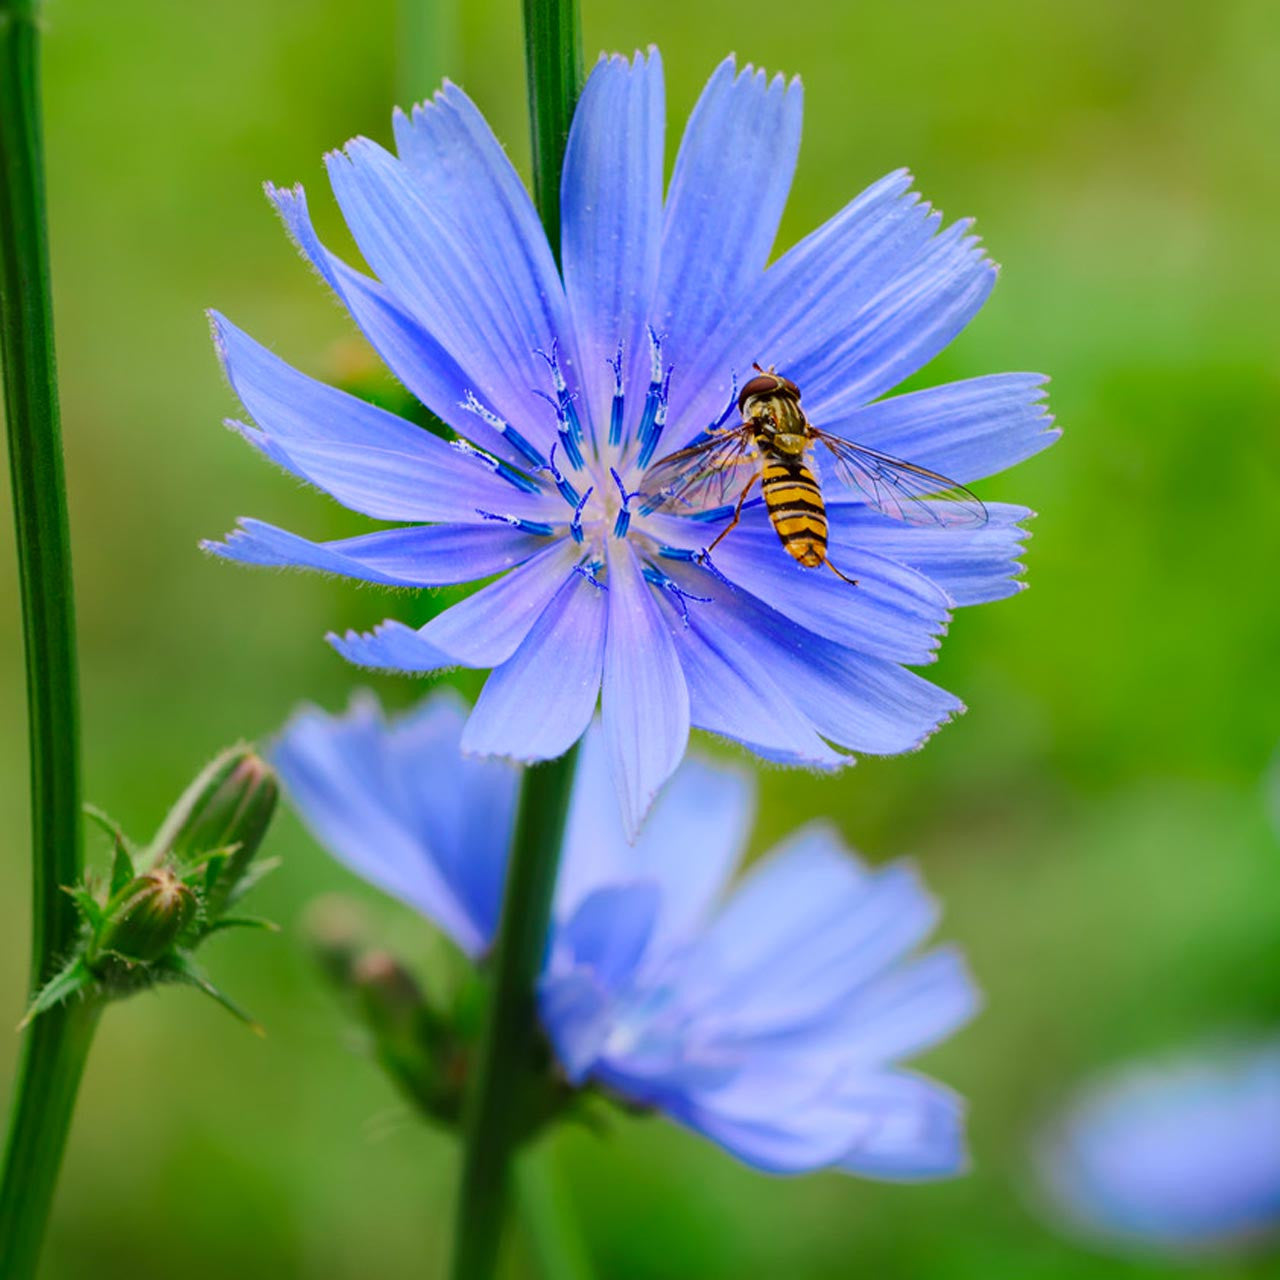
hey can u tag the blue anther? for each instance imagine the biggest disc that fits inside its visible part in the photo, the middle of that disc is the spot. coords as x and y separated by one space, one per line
526 484
538 527
588 569
622 522
729 410
472 405
566 409
654 398
567 491
575 525
649 440
616 409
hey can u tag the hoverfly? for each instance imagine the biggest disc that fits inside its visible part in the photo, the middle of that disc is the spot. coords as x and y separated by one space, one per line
774 438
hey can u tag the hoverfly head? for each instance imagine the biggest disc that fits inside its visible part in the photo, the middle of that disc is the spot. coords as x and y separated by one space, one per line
767 383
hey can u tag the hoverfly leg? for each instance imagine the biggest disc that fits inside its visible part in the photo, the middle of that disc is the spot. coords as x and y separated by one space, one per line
737 515
853 582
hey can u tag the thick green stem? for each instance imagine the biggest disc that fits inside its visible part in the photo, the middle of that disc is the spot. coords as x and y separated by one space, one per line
504 1080
553 67
56 1044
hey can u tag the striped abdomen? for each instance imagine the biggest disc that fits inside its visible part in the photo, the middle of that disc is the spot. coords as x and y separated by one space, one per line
794 503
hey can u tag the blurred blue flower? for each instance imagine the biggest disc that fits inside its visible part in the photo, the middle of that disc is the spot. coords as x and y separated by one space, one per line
562 388
1177 1155
770 1016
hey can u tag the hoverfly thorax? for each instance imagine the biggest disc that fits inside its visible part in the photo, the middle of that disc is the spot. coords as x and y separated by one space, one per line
770 406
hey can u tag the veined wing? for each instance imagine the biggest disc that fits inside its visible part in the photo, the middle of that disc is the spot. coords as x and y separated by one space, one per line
703 476
903 490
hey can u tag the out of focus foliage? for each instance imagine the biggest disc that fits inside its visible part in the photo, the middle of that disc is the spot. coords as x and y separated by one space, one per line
1095 824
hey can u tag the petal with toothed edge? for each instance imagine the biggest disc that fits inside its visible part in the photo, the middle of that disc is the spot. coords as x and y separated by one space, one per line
853 700
972 565
894 612
337 771
732 176
731 692
537 703
410 352
963 430
391 646
646 703
816 287
423 556
900 331
611 197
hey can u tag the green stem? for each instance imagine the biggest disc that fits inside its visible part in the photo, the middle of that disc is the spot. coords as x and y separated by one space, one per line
501 1088
56 1044
553 67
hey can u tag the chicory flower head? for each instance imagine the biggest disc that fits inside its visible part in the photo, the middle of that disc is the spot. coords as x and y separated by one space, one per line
770 1015
563 387
1180 1155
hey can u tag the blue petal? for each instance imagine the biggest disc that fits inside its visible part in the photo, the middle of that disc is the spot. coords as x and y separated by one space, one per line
646 701
537 704
452 235
410 352
815 289
731 180
424 556
894 612
576 1013
853 700
901 330
367 458
486 628
609 931
611 197
917 1130
346 776
483 630
972 565
963 430
733 693
704 807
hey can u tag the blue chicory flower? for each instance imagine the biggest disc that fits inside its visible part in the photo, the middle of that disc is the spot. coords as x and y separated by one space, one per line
771 1016
563 387
1180 1155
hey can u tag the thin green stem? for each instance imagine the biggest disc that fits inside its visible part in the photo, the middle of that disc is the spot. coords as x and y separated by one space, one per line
56 1044
553 67
505 1073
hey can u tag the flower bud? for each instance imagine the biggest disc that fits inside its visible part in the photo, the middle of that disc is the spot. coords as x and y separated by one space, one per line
144 920
228 807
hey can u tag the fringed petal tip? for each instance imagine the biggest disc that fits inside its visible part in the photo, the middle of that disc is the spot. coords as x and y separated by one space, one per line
391 647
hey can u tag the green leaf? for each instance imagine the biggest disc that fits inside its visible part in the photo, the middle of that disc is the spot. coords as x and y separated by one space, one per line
179 967
122 871
243 922
89 907
254 876
72 980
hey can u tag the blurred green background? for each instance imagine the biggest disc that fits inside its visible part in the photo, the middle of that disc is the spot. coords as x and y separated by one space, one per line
1096 824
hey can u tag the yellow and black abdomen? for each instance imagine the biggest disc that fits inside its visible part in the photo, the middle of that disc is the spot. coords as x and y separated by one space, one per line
794 502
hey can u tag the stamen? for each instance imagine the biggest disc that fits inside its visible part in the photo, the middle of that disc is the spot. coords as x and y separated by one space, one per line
654 417
538 527
567 491
564 427
526 484
616 409
505 429
575 525
660 579
701 558
588 569
566 410
622 521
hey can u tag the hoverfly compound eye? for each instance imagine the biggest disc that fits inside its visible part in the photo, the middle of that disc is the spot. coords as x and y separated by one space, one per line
789 388
763 384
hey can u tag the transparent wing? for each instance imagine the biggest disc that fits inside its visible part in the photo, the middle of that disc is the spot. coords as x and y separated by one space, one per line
702 477
901 489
